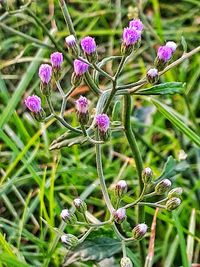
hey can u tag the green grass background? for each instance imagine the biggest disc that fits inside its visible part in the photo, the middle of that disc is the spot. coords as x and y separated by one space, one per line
36 183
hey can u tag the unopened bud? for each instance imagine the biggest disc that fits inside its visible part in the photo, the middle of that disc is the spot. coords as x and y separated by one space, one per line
119 215
173 203
80 205
68 217
121 188
71 44
163 186
69 240
176 192
126 262
152 75
139 231
147 175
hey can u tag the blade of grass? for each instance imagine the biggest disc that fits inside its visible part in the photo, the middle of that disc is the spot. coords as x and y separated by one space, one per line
190 239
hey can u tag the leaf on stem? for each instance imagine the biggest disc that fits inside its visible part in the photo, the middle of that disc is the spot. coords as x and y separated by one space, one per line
170 88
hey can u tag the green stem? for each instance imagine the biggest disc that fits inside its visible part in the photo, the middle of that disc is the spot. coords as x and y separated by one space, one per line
102 72
101 177
150 204
138 200
139 165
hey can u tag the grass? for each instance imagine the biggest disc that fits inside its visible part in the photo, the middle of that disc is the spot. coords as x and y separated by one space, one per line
36 184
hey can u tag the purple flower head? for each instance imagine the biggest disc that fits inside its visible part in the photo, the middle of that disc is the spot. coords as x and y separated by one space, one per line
88 45
164 53
56 60
136 24
172 45
82 105
119 215
80 67
152 73
102 122
33 103
130 36
70 41
45 72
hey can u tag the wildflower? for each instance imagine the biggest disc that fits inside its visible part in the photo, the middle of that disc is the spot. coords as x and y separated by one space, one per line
176 192
69 240
173 203
80 68
33 103
136 24
152 75
164 53
102 123
82 110
126 262
130 37
119 215
68 217
45 73
121 188
56 60
80 205
163 186
89 47
147 175
172 45
139 231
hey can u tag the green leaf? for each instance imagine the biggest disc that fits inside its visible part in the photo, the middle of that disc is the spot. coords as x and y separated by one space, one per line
94 249
12 261
169 113
173 167
170 88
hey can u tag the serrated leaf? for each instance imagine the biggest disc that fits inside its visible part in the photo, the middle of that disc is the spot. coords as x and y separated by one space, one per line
169 113
170 88
94 249
173 167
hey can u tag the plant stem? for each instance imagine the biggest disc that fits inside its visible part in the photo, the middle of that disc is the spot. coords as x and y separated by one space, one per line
138 162
138 200
102 72
101 176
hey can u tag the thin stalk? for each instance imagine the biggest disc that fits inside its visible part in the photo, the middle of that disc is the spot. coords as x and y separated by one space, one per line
151 205
139 165
138 200
101 176
94 224
102 72
85 235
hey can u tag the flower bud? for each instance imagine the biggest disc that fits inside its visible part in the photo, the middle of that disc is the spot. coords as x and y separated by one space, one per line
126 262
45 73
119 215
136 24
130 37
56 62
103 123
152 75
121 188
79 69
173 203
139 231
69 240
88 45
164 54
172 45
71 44
80 205
176 192
33 103
163 186
68 217
147 175
82 110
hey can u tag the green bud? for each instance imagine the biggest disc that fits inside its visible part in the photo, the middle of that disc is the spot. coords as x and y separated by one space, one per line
176 192
83 118
126 262
39 116
147 175
163 186
126 50
45 89
139 231
69 240
76 79
80 205
68 217
173 203
120 188
93 57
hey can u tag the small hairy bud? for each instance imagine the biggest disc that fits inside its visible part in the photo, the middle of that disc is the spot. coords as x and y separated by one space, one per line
80 205
72 46
56 62
147 175
80 68
69 240
173 203
130 37
163 186
175 192
136 24
152 75
126 262
119 215
45 74
172 45
139 231
68 217
121 188
33 103
82 110
103 123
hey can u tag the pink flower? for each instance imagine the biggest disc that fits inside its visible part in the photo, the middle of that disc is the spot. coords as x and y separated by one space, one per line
102 122
45 73
137 24
56 60
164 53
130 36
80 67
82 104
88 45
33 103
